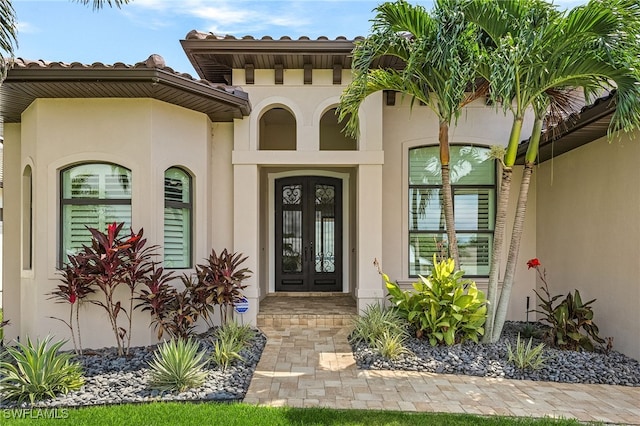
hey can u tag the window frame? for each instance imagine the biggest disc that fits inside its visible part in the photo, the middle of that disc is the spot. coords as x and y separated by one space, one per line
182 206
454 187
86 201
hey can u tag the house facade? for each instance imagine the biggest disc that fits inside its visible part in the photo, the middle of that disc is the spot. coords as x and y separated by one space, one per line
252 158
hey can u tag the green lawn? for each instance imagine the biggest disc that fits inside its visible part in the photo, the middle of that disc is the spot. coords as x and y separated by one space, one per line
242 415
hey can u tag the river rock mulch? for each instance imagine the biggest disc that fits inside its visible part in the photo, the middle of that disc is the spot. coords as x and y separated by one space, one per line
490 360
112 379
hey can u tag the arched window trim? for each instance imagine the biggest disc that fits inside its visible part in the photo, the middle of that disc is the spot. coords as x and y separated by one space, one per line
100 200
184 206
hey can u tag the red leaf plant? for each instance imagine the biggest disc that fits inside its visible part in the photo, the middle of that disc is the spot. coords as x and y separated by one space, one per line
109 262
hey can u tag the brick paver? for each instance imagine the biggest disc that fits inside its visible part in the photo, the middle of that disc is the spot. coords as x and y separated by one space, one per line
314 367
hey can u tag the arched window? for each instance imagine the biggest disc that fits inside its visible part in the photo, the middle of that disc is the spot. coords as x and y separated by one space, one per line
332 138
278 130
27 218
92 195
473 182
178 206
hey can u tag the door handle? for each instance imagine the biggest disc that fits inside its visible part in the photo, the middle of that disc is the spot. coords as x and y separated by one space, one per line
305 254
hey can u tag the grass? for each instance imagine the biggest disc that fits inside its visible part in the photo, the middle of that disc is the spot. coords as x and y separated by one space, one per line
242 414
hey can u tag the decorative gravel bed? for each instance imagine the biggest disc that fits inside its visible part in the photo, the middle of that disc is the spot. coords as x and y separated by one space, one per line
111 379
490 360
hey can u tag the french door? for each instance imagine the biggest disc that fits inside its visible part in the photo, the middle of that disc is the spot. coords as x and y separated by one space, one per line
308 234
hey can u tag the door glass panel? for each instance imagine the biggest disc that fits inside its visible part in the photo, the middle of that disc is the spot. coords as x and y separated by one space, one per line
292 229
325 234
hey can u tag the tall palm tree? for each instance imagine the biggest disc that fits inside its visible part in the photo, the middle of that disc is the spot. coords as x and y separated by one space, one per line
9 31
438 53
533 52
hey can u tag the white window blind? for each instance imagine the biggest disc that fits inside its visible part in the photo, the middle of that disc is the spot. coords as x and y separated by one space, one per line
93 195
177 218
474 191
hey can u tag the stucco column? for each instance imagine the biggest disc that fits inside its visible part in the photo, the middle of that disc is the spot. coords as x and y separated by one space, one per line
246 199
369 288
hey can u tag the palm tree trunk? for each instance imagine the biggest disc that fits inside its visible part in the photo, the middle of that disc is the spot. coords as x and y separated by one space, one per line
516 235
447 196
498 235
498 242
512 258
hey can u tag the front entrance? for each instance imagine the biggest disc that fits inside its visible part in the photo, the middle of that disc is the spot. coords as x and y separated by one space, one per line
308 234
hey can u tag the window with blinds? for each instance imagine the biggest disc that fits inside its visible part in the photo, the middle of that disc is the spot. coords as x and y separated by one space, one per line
177 218
93 195
473 182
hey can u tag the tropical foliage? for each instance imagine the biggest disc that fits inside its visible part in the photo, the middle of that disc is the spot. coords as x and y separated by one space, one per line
38 371
440 53
534 57
218 282
110 262
567 319
443 307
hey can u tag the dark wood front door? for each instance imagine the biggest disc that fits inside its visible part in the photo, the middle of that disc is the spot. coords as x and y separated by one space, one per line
308 235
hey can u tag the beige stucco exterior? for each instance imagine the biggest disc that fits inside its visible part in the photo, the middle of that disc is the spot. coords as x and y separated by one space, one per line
233 186
588 232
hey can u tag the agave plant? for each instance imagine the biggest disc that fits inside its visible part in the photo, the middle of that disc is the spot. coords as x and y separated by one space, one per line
177 365
38 371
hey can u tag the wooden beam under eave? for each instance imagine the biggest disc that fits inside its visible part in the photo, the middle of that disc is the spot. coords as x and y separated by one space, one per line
279 73
249 74
337 73
308 74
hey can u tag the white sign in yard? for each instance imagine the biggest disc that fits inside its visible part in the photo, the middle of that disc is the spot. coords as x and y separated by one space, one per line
242 305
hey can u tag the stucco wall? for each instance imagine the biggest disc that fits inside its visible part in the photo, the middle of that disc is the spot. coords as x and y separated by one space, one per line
144 135
588 233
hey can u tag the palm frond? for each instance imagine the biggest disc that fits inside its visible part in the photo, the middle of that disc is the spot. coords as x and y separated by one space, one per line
99 4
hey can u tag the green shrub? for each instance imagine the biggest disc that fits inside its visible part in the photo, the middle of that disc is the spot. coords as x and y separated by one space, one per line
529 330
444 307
232 331
391 345
375 321
526 356
38 371
177 365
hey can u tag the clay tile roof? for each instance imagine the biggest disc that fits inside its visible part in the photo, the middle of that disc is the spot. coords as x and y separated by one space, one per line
215 56
152 78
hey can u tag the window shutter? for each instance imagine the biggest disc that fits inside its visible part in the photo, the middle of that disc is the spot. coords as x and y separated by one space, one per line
177 219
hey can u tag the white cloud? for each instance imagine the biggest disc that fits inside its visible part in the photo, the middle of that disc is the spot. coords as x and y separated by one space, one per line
26 28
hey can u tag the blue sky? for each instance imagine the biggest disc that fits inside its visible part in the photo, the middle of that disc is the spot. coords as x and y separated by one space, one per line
62 30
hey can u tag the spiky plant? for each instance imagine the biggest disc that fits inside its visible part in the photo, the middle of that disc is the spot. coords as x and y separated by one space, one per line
38 371
177 365
376 320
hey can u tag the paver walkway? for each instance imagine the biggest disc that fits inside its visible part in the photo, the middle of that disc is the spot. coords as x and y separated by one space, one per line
314 367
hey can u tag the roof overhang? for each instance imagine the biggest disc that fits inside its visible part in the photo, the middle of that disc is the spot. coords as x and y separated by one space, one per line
590 124
29 80
214 57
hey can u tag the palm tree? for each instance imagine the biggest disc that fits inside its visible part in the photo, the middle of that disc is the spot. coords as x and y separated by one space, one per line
438 53
9 31
533 54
